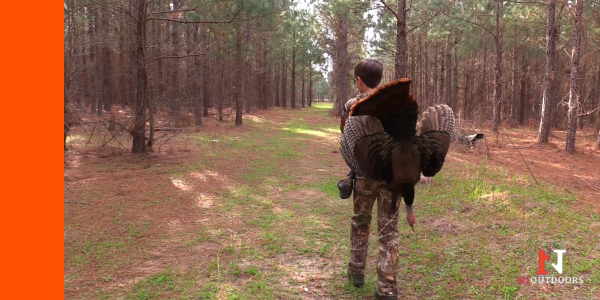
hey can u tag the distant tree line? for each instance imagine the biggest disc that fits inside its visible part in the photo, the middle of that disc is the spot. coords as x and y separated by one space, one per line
510 62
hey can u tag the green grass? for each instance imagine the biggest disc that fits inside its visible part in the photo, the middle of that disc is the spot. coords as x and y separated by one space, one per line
153 287
478 227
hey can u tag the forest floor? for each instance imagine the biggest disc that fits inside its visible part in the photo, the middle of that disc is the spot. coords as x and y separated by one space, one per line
252 212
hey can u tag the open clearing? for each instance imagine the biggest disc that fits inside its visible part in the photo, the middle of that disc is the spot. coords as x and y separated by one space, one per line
252 212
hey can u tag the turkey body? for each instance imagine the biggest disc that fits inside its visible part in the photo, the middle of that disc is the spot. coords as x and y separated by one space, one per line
381 141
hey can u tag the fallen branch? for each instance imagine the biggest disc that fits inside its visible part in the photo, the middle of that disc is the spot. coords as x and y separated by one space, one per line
523 158
593 187
113 137
91 135
75 202
167 129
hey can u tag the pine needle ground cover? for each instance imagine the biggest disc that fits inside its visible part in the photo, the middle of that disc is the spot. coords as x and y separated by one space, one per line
252 212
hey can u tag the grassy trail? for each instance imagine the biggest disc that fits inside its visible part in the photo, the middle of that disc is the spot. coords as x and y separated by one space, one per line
253 213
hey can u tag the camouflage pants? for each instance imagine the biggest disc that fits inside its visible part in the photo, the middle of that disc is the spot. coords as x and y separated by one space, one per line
366 192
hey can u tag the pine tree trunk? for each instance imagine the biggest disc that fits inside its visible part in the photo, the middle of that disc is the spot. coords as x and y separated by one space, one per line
175 97
206 78
442 77
139 130
238 77
497 71
435 74
198 96
302 97
108 89
340 65
221 85
556 88
133 64
467 95
442 94
277 86
247 83
284 80
514 83
426 68
266 76
97 74
400 64
124 74
454 100
523 90
87 74
293 93
596 120
310 84
575 68
549 74
448 60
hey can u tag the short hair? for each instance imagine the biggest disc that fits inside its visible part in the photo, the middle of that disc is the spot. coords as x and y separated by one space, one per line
370 71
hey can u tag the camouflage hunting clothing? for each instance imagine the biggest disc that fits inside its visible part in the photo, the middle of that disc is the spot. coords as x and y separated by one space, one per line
366 192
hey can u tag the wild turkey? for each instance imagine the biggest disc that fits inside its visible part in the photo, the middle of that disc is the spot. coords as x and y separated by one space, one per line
384 144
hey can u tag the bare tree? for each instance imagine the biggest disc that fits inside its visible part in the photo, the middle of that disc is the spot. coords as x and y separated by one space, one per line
293 94
401 59
175 97
577 13
549 74
139 55
497 70
341 62
198 96
238 76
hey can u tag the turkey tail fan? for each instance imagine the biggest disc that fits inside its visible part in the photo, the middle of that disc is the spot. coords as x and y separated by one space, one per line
437 118
392 96
435 129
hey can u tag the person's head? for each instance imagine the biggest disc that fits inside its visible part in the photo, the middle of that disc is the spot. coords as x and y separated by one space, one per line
368 72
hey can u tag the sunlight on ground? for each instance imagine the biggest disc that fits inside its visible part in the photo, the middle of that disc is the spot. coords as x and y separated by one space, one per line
255 118
204 201
174 224
309 131
323 104
199 176
214 175
75 138
180 184
498 199
332 130
204 176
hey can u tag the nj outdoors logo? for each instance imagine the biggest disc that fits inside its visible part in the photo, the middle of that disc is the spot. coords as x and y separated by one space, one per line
558 266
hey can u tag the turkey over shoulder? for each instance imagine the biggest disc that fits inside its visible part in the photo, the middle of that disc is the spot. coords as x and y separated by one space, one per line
354 130
381 141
